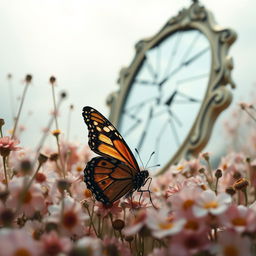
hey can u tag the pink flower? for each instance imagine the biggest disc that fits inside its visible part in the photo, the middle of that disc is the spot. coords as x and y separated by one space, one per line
18 242
234 163
54 245
69 215
162 224
188 244
183 201
7 145
231 243
91 245
208 202
104 210
110 244
27 202
240 218
137 223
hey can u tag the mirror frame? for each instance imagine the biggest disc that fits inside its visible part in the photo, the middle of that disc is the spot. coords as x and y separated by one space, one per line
217 97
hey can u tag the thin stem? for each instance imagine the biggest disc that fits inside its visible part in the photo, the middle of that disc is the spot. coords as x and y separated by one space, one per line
5 172
245 197
60 157
216 186
91 221
55 107
1 132
250 115
33 177
20 108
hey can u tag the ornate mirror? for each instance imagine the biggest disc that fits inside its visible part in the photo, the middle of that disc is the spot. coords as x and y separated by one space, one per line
175 87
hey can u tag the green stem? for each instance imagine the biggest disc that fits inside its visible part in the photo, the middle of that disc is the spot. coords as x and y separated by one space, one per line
91 221
5 172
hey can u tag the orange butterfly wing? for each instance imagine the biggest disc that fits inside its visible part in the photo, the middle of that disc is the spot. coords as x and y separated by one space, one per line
109 179
105 140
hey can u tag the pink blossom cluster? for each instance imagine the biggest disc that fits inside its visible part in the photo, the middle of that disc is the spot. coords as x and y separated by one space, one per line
46 208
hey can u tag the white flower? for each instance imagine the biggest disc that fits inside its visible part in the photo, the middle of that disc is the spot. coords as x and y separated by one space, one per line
162 224
69 215
208 202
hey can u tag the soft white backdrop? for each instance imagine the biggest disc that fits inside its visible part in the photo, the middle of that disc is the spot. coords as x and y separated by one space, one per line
84 43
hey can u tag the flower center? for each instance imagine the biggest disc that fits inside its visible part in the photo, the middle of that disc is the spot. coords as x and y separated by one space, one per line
230 251
191 224
188 203
69 219
22 252
212 204
40 177
53 248
165 225
239 221
27 197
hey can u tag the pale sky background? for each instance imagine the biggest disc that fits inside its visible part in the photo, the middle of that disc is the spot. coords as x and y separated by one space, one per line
84 43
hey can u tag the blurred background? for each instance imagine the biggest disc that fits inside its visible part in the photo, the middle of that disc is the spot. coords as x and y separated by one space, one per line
85 43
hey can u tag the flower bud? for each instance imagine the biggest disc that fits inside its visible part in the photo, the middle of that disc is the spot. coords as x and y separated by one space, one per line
118 224
63 95
52 80
241 184
42 159
1 122
230 191
128 238
218 173
26 167
54 157
28 78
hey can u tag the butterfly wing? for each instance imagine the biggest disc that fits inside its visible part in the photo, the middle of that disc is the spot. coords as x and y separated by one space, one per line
105 140
108 179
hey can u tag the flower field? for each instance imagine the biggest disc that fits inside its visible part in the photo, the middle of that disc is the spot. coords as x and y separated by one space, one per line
198 210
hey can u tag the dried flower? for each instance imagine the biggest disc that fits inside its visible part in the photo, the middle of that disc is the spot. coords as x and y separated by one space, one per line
28 78
52 80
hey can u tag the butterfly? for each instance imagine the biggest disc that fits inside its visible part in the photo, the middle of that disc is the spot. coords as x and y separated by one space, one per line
115 173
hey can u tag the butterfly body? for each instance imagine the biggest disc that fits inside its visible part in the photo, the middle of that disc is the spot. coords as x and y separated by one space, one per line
115 173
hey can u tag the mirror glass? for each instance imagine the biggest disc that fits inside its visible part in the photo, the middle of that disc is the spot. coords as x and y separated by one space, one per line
165 95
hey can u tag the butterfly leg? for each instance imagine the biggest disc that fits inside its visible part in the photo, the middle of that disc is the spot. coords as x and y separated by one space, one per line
147 190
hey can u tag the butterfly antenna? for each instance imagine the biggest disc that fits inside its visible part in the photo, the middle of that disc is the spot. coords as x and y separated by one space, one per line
157 165
136 150
150 158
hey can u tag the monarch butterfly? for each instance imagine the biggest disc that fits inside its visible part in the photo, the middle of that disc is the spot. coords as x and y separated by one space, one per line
116 172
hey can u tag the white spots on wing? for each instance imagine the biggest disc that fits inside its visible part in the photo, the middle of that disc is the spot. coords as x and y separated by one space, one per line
106 129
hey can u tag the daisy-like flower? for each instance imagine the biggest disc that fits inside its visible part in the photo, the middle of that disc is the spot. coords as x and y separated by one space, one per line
27 201
188 244
69 215
183 201
54 245
88 244
137 223
208 202
231 243
104 210
18 242
7 145
111 245
240 218
162 224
